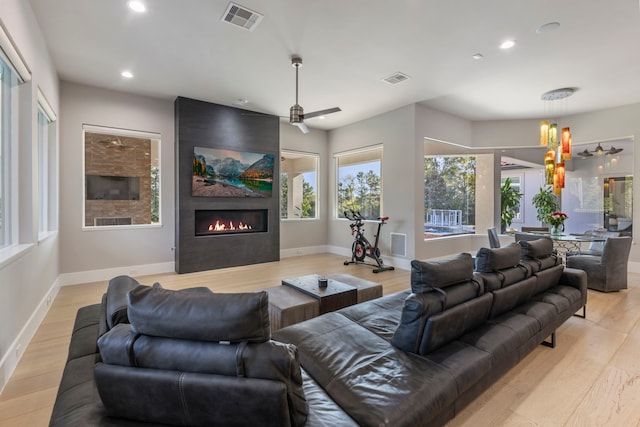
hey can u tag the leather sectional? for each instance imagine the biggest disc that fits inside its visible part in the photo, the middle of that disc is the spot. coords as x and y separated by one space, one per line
414 358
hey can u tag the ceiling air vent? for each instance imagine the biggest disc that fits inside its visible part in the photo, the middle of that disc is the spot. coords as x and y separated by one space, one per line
242 17
396 78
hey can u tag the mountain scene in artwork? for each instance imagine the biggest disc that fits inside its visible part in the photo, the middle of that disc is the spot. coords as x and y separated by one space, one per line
230 173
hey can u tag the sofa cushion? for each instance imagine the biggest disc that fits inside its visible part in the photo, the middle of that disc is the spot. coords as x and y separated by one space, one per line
500 279
202 316
426 275
511 296
548 277
536 249
269 360
489 260
178 398
448 325
415 312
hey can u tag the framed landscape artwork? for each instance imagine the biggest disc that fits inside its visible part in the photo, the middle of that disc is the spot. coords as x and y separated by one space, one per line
228 173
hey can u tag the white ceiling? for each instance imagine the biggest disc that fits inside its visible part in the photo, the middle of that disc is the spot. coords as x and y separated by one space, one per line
182 48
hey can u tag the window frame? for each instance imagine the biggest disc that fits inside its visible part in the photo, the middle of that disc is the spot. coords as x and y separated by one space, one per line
362 153
316 159
122 133
434 232
47 169
9 167
520 219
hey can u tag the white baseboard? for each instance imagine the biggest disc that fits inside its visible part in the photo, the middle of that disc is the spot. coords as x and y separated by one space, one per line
306 250
633 267
16 349
109 273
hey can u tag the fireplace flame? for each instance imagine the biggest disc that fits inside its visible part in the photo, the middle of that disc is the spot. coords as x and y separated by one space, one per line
224 227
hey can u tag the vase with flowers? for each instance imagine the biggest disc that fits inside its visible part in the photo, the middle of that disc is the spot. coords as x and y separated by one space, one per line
556 220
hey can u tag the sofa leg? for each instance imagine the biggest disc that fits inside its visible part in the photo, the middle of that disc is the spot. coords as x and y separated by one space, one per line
584 312
551 343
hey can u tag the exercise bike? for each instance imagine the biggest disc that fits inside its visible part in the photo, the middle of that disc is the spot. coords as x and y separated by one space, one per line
361 247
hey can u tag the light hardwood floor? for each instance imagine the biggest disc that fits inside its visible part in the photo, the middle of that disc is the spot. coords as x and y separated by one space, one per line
591 378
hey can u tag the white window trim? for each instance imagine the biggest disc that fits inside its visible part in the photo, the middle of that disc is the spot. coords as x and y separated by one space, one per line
317 157
121 132
521 176
336 164
49 206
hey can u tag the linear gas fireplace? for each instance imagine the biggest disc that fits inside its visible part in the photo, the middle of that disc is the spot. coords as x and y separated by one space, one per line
236 221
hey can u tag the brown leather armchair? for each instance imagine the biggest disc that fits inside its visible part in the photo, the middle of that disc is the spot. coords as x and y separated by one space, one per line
606 273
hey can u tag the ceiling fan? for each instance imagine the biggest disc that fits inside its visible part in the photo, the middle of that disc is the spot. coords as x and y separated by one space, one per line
296 113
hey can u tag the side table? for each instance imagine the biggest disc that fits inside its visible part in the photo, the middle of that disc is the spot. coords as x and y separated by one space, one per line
287 306
335 296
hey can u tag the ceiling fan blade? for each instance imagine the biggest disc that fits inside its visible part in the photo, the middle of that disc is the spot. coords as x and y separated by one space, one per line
303 128
321 112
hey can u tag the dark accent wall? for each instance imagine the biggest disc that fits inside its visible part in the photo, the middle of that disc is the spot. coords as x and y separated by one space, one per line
203 124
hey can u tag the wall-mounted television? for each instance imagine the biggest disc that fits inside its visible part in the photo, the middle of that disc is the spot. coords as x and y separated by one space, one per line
104 187
228 173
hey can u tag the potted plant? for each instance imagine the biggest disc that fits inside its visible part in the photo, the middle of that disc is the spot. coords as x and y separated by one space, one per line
545 202
509 199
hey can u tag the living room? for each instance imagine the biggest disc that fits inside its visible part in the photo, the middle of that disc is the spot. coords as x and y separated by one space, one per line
33 271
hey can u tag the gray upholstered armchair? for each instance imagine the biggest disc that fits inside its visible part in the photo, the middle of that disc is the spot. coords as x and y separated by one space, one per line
494 239
608 272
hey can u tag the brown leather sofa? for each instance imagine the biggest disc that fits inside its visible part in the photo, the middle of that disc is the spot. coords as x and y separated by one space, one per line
414 358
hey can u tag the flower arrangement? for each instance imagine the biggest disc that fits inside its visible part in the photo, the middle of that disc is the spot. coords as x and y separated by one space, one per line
557 219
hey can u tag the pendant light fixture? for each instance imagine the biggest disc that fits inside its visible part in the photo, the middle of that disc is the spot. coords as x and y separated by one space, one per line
559 151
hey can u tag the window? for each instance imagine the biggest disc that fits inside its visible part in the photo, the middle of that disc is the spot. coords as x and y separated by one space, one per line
47 168
360 182
517 182
8 167
298 185
122 177
449 195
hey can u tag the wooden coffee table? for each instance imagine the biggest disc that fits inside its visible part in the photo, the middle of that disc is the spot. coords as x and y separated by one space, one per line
335 296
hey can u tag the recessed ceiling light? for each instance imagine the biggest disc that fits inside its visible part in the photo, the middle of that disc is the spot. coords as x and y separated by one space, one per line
126 74
137 6
477 56
549 26
507 44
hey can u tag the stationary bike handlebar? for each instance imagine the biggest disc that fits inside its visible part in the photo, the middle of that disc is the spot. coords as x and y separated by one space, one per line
358 218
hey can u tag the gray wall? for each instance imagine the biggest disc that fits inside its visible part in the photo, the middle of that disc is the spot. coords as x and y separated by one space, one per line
395 131
105 248
28 274
203 124
305 236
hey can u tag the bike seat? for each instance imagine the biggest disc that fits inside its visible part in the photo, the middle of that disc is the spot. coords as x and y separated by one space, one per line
384 218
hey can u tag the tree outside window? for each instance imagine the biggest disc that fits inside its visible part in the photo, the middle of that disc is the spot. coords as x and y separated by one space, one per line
298 185
449 195
360 183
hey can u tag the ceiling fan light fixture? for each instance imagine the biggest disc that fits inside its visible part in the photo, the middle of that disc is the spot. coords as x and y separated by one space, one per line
296 112
613 151
585 153
599 150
